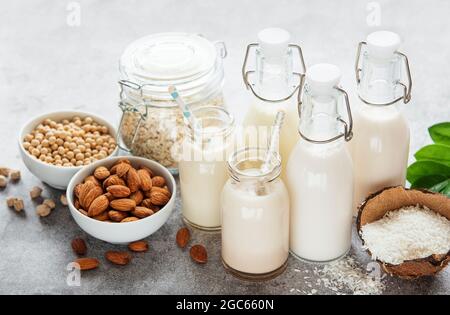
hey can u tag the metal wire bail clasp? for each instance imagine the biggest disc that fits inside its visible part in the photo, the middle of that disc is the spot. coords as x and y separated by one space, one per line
249 85
407 87
348 127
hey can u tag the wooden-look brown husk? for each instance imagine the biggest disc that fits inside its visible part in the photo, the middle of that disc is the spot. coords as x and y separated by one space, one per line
394 198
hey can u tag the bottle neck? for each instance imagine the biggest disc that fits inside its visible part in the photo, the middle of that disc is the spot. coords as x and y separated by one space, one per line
379 80
319 116
274 75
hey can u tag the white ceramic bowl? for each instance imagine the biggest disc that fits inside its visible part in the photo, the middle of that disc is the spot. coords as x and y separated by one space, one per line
55 176
122 233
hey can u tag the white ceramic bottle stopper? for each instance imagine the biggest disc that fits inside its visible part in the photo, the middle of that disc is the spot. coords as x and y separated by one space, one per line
383 44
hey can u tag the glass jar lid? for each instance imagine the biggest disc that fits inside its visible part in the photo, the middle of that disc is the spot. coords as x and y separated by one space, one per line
188 61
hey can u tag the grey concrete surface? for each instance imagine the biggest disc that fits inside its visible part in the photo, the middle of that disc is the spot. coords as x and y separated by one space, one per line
45 65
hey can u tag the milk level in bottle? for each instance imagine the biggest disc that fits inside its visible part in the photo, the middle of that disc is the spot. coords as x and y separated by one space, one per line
255 217
381 144
320 171
274 86
203 166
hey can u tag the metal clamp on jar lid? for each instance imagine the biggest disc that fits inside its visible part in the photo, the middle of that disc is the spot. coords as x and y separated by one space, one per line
322 82
378 60
273 44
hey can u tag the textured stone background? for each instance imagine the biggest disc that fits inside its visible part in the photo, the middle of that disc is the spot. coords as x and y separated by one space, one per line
46 65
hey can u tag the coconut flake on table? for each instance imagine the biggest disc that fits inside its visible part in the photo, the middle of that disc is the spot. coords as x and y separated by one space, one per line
406 234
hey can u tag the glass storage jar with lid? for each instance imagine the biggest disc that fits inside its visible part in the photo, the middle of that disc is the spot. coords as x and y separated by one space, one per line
152 125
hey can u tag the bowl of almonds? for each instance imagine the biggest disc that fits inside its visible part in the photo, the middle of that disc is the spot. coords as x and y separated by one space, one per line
54 146
122 199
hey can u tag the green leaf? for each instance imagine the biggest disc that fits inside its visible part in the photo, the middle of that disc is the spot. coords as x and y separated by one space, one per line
426 168
434 152
440 133
446 190
440 186
428 181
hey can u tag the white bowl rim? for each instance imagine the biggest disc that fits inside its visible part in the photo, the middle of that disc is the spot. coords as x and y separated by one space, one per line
71 112
69 194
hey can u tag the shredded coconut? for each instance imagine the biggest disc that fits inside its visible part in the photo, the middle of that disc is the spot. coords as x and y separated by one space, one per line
406 234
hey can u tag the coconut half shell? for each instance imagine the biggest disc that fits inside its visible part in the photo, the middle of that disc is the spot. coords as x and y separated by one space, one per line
394 198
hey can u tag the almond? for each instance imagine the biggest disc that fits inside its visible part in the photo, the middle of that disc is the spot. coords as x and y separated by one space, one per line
148 204
101 173
118 258
138 247
87 263
142 212
138 196
113 180
123 204
133 180
149 171
123 160
77 189
129 219
104 216
77 204
119 191
109 196
183 237
92 179
146 180
198 254
158 181
99 205
122 169
159 198
117 216
79 247
83 212
89 191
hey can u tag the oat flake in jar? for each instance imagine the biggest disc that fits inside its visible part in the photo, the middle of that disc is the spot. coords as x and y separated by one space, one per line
152 124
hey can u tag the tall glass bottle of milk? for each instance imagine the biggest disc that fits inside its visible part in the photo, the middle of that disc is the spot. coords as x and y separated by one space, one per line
203 166
274 86
320 170
381 144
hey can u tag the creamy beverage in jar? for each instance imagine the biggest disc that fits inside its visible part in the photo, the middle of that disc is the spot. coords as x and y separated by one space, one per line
255 217
274 86
320 171
380 147
203 166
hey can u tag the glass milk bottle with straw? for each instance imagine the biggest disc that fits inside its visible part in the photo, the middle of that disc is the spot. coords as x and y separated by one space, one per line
203 163
255 213
320 171
381 145
274 86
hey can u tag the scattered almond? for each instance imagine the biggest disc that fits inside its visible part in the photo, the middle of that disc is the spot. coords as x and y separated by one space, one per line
10 201
43 210
119 191
99 205
101 173
118 258
138 247
142 212
18 204
35 192
79 246
50 203
198 254
87 263
15 175
3 181
63 200
183 237
4 171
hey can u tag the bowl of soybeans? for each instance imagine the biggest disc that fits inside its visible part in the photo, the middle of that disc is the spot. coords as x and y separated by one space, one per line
55 146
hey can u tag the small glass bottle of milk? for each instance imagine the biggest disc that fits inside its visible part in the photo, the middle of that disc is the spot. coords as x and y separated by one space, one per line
255 216
274 85
203 166
320 171
380 147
